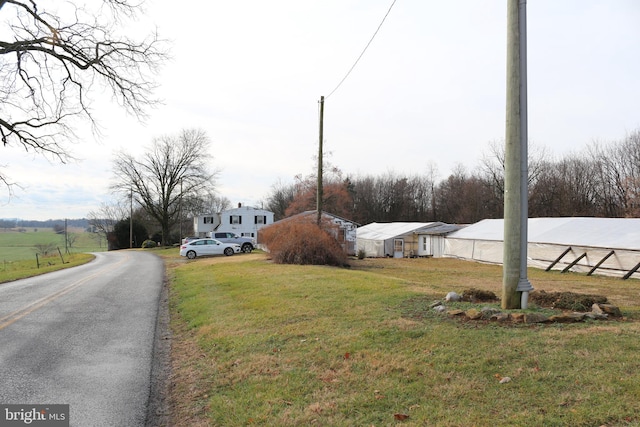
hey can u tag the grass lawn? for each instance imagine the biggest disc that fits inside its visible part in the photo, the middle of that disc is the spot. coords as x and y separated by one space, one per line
256 343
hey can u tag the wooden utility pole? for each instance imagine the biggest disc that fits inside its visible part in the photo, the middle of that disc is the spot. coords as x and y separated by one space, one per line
515 285
130 217
320 190
180 214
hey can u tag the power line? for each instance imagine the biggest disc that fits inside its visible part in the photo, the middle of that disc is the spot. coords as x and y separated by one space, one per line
363 51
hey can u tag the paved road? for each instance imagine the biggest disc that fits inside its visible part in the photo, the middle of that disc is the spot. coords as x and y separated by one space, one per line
84 337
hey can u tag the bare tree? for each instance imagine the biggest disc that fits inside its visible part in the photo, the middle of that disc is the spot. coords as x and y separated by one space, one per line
206 203
105 218
54 56
71 238
492 165
44 249
464 198
280 198
173 168
580 195
622 163
194 205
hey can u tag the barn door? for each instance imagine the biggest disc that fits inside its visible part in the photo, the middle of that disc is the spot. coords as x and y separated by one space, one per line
426 247
398 248
429 246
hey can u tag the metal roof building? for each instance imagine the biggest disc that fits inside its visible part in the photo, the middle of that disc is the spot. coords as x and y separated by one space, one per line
402 239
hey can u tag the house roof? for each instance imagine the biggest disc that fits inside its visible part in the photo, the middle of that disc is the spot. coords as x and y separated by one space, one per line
313 214
389 230
612 233
440 228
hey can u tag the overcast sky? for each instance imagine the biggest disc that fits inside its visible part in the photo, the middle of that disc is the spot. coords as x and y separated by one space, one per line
429 91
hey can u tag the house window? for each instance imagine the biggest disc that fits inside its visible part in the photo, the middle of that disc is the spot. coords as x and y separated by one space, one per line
208 220
236 219
261 219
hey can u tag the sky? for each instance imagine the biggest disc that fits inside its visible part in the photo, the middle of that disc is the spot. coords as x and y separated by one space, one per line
428 93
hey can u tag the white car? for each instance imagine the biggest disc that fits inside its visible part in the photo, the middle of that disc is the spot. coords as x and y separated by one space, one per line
202 247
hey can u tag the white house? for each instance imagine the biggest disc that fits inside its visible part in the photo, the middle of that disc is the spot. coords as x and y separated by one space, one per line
204 224
243 220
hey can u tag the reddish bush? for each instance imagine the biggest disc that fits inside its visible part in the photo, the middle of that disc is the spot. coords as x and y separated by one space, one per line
302 242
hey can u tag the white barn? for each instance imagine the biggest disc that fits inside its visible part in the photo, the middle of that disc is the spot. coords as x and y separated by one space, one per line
608 246
402 239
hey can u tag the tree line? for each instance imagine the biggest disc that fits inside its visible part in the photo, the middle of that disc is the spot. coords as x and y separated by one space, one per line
601 181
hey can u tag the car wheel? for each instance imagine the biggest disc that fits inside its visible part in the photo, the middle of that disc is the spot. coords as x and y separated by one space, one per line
247 248
191 254
228 251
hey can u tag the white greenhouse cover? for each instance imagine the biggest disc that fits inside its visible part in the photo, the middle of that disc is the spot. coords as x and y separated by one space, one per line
389 230
611 233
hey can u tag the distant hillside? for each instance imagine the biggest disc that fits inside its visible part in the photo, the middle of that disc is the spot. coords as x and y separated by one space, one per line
50 223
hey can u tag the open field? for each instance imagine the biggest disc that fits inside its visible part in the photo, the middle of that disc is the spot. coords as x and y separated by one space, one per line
255 343
16 245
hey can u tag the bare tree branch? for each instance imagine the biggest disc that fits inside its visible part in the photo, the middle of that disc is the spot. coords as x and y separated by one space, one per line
58 54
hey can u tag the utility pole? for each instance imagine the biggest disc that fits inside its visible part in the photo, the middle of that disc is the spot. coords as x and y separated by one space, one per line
320 190
515 285
180 214
130 218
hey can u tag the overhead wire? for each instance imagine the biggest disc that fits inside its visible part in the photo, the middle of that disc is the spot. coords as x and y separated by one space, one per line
363 51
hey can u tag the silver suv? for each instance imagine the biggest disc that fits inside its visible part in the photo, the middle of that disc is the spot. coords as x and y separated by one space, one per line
246 243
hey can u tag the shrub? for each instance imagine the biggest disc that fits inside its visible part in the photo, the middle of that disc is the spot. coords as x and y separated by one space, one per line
119 237
478 295
149 244
362 254
566 300
45 249
302 242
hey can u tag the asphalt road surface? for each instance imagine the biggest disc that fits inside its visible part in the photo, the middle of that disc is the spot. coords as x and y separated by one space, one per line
84 337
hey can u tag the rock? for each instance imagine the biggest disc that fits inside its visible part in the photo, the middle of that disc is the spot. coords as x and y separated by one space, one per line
595 309
505 380
535 318
452 297
487 312
596 316
501 317
435 304
439 308
567 318
473 314
611 310
454 313
517 317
